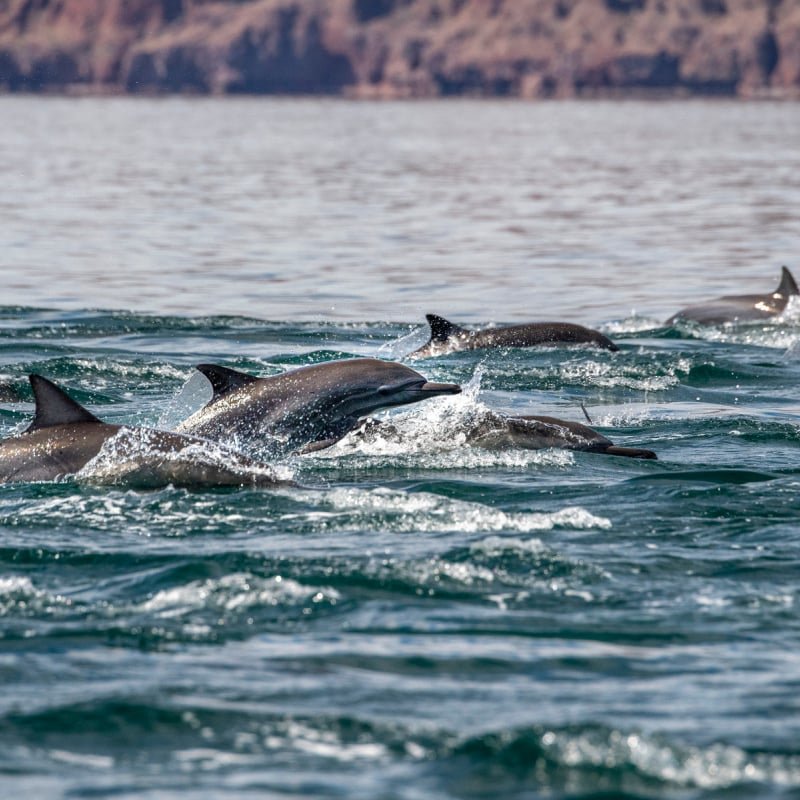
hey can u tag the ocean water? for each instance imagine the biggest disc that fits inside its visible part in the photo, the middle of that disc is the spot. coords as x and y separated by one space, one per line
419 618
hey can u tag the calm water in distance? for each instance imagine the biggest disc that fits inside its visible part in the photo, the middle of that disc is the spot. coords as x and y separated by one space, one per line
309 209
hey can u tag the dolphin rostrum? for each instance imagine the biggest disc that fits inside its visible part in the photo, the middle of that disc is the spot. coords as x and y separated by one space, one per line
447 337
64 437
308 408
741 307
493 431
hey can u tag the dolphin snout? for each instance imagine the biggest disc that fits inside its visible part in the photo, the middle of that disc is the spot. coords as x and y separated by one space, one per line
434 389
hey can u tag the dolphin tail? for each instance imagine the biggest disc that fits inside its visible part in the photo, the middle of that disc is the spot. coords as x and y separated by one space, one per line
441 329
55 407
629 452
787 286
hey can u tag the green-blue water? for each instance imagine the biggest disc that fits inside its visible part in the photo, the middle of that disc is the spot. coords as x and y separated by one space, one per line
423 620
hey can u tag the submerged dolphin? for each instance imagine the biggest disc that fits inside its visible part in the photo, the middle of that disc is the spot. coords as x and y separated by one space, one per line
447 337
493 431
538 432
64 437
307 408
741 307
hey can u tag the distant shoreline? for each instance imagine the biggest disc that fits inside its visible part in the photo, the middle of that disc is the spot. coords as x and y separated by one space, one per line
81 93
404 49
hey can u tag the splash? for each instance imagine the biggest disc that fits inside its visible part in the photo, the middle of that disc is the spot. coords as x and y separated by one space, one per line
629 325
194 394
629 376
437 435
147 458
778 332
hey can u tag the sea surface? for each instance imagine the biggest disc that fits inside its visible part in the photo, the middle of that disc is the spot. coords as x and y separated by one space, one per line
419 619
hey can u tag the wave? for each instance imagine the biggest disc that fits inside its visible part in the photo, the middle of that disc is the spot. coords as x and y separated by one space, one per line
576 761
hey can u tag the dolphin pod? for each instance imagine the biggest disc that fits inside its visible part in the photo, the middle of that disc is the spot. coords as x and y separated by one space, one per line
313 407
308 408
446 337
64 437
741 307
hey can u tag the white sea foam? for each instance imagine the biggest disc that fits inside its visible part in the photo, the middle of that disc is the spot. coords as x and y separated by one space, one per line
19 594
87 760
124 369
236 592
632 324
497 545
713 767
613 374
424 511
323 743
16 585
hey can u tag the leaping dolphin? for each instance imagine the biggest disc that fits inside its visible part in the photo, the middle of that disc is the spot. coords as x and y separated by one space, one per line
741 307
308 408
447 337
64 437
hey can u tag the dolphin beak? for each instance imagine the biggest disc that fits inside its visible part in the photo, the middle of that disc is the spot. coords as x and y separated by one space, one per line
434 389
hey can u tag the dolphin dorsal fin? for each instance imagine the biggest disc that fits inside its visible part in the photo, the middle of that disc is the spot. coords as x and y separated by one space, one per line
54 406
441 329
787 286
224 380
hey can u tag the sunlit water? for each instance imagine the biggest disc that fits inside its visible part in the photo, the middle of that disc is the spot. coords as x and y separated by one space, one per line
422 618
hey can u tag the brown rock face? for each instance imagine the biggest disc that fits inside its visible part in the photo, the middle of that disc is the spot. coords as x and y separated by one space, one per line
402 48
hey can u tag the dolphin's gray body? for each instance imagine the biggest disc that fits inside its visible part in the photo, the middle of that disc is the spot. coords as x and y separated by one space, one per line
538 432
493 431
447 337
307 408
64 437
741 307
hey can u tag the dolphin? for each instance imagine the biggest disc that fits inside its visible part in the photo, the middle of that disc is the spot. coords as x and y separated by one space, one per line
741 307
64 437
538 432
493 431
308 408
447 337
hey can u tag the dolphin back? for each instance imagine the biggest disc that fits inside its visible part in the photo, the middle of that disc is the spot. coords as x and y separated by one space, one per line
55 407
539 432
788 286
224 380
442 329
447 337
741 308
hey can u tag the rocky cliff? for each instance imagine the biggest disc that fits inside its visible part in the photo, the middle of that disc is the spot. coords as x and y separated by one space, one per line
402 48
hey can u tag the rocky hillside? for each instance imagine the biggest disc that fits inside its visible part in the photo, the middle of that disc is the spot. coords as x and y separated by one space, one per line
402 48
